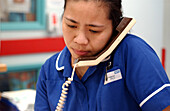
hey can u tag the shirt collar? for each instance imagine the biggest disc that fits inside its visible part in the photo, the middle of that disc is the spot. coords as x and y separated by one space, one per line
62 59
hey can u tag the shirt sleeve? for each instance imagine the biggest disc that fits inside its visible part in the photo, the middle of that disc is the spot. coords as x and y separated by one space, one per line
41 101
146 78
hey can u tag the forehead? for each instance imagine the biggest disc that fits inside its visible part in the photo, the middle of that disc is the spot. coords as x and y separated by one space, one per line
98 2
84 0
87 6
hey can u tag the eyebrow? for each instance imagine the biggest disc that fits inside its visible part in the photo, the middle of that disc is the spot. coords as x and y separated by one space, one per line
72 20
91 25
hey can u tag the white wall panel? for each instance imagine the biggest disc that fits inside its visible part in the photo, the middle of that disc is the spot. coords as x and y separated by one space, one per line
166 37
149 17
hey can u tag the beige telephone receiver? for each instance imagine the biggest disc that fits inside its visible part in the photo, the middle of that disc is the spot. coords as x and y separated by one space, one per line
122 29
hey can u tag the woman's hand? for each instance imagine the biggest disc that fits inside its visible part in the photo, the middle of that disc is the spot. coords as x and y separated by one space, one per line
167 108
18 1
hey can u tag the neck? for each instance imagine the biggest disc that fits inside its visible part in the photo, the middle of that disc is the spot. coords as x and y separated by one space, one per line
80 71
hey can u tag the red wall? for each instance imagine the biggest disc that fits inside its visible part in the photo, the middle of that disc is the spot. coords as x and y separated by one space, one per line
28 46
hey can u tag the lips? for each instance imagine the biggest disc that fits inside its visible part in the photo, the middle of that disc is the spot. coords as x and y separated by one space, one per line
80 52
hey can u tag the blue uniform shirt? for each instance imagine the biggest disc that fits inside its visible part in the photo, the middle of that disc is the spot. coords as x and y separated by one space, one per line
136 81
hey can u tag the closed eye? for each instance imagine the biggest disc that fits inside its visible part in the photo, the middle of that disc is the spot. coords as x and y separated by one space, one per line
93 31
71 26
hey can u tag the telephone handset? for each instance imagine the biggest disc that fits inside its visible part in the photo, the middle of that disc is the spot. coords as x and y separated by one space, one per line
122 29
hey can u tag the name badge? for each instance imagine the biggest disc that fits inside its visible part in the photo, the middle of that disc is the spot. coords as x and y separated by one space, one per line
112 76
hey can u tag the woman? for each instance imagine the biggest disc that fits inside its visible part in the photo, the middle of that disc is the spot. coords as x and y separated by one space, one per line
88 25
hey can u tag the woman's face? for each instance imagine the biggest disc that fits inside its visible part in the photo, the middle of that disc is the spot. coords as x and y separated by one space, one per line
86 28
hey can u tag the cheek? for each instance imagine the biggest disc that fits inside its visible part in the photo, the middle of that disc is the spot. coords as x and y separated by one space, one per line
101 45
67 35
102 42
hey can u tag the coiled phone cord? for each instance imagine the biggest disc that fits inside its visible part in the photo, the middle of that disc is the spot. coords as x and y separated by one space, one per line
65 89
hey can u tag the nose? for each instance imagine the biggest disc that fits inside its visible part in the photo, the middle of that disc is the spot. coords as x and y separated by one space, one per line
81 38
